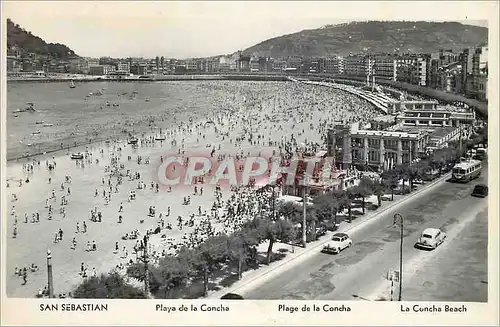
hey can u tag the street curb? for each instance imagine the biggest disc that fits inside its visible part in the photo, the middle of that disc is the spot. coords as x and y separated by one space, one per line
316 246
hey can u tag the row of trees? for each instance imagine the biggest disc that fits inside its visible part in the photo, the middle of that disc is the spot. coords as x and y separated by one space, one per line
232 254
226 254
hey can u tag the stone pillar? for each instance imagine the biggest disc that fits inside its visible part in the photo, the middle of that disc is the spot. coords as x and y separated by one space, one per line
399 158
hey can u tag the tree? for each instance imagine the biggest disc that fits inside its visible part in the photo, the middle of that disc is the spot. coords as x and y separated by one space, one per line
289 210
137 271
342 201
240 247
157 61
173 271
364 189
162 62
350 195
390 179
273 231
403 171
206 257
326 206
378 190
311 219
107 286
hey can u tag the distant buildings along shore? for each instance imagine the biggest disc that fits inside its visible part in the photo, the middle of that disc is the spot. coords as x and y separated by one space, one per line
464 73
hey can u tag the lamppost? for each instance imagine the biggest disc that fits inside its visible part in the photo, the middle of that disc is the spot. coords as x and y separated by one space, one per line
397 217
49 274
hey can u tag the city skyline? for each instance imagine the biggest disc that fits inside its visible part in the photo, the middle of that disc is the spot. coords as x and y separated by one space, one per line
172 29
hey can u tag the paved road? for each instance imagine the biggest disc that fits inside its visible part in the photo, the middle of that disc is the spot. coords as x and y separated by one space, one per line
361 270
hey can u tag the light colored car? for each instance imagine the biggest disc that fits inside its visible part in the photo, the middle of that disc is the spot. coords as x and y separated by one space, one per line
339 242
430 238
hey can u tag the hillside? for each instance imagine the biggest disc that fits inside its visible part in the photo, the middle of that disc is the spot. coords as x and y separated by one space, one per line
28 42
374 37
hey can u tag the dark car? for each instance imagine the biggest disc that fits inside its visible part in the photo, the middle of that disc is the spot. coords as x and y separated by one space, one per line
480 191
320 231
231 296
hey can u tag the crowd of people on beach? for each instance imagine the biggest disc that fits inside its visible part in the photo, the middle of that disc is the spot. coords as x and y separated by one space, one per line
284 118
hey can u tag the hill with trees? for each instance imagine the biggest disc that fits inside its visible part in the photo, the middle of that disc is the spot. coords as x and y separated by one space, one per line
374 37
29 43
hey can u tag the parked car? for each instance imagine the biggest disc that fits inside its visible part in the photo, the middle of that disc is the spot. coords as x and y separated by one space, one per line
339 242
320 231
430 238
480 191
231 296
330 225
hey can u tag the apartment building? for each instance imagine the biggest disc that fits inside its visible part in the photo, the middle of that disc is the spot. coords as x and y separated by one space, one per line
101 70
139 69
412 69
278 65
358 65
385 67
123 66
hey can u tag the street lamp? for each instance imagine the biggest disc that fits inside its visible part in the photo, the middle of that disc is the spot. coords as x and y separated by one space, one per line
397 217
50 281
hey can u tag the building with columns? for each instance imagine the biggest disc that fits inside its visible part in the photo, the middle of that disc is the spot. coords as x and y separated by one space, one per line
375 148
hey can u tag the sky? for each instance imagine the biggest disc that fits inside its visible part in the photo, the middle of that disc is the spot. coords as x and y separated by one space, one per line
202 29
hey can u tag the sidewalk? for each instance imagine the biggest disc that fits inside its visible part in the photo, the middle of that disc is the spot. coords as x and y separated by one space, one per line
252 278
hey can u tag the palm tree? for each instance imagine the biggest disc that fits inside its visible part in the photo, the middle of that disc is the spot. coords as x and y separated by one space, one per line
162 62
157 60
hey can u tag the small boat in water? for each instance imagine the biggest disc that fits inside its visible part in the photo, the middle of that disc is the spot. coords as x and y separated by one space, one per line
133 140
72 85
39 122
160 137
77 156
48 125
31 107
36 132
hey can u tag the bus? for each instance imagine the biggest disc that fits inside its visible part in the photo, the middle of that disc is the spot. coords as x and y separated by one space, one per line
466 171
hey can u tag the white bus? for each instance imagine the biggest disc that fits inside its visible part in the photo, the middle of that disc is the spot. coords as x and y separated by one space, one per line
466 171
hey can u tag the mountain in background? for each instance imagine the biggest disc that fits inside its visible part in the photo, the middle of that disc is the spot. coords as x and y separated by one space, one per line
374 37
28 42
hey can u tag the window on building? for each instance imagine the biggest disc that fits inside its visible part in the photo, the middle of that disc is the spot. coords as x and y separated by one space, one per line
373 156
437 122
390 144
373 143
